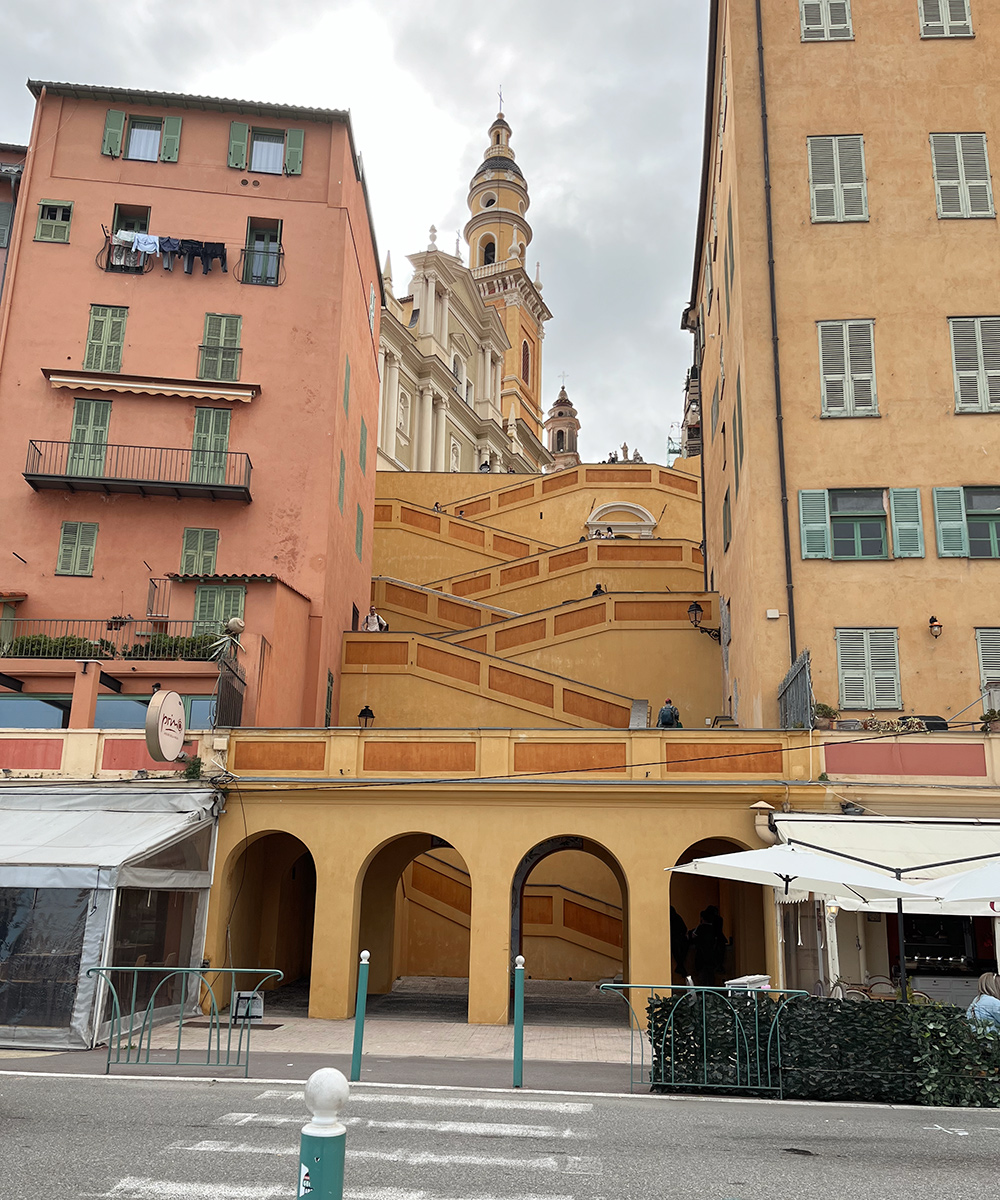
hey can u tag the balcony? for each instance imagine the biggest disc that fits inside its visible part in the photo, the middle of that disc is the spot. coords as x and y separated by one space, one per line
138 470
111 638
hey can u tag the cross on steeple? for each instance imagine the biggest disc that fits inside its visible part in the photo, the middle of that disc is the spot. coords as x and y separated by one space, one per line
564 377
500 94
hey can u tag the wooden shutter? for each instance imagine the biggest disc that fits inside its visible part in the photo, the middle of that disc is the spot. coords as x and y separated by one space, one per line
220 355
976 175
709 283
970 386
114 339
55 229
814 523
833 368
89 438
989 342
170 141
945 18
347 385
883 660
210 445
947 174
359 532
114 132
838 20
988 645
231 603
207 605
363 447
6 220
907 526
68 539
851 178
823 178
340 486
812 16
715 408
852 669
198 551
239 139
949 519
294 141
862 399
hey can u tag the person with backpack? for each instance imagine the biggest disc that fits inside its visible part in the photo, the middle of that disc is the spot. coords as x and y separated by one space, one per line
669 717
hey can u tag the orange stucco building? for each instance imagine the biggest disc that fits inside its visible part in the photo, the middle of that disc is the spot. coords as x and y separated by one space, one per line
187 433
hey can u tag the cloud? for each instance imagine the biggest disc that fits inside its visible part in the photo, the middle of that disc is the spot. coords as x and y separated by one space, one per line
605 102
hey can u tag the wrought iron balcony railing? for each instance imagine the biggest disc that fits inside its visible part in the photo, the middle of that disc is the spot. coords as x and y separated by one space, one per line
113 637
140 470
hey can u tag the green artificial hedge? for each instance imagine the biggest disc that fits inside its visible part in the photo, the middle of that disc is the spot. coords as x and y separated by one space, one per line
829 1049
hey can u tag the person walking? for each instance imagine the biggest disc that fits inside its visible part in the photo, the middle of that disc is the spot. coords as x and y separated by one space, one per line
709 944
668 717
372 622
680 941
985 1007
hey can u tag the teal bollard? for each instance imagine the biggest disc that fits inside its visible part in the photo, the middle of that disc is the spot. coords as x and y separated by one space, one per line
518 1020
359 1017
321 1150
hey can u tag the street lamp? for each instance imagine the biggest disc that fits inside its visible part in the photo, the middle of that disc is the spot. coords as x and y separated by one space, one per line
695 613
365 718
935 626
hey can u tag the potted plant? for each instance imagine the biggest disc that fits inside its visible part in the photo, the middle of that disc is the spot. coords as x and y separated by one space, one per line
824 716
991 721
118 622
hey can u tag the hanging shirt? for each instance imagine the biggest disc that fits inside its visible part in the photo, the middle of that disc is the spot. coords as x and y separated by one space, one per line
146 243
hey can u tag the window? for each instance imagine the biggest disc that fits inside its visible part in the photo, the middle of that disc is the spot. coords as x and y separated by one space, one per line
77 542
988 645
975 352
6 220
727 522
961 175
214 605
837 188
347 384
209 448
738 444
89 440
525 362
198 551
868 668
489 253
847 368
220 352
359 532
262 254
826 20
560 441
340 485
851 523
144 138
715 409
54 217
105 338
363 447
268 151
709 282
122 259
968 522
945 18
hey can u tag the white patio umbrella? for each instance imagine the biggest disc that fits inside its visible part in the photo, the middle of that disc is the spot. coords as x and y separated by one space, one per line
982 883
809 872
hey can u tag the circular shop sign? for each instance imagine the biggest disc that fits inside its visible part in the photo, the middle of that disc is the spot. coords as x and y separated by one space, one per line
165 726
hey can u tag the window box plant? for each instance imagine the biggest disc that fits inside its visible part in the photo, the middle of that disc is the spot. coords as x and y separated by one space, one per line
991 721
824 716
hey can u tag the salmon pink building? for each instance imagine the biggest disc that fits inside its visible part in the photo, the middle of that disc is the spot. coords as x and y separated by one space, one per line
188 385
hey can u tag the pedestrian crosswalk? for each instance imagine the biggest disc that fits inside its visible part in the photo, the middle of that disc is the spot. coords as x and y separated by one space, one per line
401 1145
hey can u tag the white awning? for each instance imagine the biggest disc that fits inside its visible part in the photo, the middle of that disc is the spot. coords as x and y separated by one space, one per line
923 848
82 837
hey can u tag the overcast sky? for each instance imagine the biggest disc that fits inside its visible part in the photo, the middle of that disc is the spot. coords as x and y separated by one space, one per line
606 106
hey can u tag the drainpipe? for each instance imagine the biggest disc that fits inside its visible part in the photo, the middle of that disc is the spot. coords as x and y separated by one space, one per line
792 641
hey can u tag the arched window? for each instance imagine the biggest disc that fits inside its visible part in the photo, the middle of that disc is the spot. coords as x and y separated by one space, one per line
560 441
489 253
525 362
496 140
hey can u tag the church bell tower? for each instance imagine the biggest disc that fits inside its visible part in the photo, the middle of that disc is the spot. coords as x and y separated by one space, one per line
561 428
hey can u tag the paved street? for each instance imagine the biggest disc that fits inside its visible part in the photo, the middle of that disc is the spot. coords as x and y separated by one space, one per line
134 1139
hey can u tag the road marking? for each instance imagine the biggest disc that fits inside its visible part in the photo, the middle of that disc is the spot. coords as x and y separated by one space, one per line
400 1194
564 1107
469 1128
956 1132
136 1188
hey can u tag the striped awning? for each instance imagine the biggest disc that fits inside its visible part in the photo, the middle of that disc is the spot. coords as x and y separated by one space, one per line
148 385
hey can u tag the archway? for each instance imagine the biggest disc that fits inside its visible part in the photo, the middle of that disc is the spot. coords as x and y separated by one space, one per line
569 918
416 908
272 882
623 519
741 908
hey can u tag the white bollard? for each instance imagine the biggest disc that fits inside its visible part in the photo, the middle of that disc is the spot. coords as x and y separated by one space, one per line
321 1153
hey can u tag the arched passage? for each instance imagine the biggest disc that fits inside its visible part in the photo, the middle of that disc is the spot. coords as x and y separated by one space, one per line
741 909
416 906
569 918
272 884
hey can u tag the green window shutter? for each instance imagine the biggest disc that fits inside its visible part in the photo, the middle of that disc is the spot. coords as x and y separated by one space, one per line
847 368
739 418
833 368
976 175
945 18
814 523
988 646
105 338
907 526
114 132
989 342
852 669
239 139
966 355
962 175
6 220
340 486
294 140
853 190
709 282
210 445
825 20
861 359
949 518
89 439
54 220
822 178
170 141
359 532
883 664
232 602
198 551
220 358
207 606
77 542
363 448
715 409
947 174
347 385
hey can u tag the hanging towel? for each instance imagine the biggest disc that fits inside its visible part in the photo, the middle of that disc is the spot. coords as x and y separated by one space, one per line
124 237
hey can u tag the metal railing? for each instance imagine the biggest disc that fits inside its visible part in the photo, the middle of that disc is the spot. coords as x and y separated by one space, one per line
685 1056
113 637
157 468
179 992
263 265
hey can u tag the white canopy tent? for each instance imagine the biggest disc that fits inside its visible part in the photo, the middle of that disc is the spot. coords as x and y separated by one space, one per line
68 857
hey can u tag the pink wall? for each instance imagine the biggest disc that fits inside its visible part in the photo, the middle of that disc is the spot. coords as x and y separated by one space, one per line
295 338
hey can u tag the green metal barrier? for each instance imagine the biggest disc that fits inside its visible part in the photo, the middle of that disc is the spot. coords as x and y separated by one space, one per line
323 1143
360 1006
186 990
717 1039
518 1020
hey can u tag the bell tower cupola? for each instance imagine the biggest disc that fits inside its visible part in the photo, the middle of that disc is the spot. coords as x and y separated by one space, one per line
497 231
561 428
